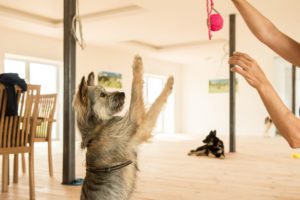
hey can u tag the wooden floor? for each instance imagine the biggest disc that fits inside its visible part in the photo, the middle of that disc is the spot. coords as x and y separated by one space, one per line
262 170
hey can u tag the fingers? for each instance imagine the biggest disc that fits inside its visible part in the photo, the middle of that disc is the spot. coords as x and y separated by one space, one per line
246 56
239 71
244 64
243 60
248 68
240 61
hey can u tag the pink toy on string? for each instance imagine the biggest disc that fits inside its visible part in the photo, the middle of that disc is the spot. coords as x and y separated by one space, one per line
214 21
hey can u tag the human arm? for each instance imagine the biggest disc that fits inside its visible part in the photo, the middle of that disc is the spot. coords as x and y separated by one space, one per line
287 124
267 33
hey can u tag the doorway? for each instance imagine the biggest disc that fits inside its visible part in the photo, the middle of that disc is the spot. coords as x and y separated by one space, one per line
153 85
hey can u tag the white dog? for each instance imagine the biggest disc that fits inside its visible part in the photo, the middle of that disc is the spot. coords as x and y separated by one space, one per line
268 124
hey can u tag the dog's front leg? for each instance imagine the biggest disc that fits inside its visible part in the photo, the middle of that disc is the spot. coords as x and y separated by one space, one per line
137 107
145 129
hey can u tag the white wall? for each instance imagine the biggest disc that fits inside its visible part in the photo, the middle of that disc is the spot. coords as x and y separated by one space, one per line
20 43
92 59
203 112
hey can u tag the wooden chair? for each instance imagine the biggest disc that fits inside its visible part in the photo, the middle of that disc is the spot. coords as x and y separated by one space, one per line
43 132
16 132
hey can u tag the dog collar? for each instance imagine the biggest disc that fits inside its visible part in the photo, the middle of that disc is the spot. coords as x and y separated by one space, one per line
108 169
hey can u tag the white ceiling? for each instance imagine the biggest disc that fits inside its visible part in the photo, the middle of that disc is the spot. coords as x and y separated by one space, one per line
168 29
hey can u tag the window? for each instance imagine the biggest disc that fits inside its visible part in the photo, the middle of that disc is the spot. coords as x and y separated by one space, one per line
15 66
283 80
152 89
38 72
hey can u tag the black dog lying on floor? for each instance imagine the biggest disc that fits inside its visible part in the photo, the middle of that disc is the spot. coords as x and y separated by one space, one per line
213 147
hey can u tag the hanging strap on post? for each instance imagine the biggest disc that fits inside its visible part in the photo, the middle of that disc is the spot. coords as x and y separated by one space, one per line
76 22
209 8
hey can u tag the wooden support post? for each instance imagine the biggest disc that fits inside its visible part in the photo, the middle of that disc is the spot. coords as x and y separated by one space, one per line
232 45
69 89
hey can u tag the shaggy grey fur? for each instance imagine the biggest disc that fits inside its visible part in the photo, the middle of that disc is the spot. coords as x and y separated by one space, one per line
111 140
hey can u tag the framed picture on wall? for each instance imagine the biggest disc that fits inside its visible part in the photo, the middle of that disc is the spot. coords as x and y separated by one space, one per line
110 79
220 85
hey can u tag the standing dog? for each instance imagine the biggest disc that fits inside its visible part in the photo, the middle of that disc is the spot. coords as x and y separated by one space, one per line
213 147
112 141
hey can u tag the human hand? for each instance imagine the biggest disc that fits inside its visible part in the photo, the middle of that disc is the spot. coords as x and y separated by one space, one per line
249 69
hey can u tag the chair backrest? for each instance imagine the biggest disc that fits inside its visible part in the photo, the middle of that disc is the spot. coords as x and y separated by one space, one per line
46 112
16 131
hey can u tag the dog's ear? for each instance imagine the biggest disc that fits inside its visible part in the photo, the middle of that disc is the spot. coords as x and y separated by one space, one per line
214 133
91 79
83 91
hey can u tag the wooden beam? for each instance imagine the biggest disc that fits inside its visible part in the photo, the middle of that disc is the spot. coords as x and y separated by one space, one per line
232 45
294 89
69 89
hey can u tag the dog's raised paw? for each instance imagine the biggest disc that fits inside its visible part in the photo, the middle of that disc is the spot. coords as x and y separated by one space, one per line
137 57
138 64
170 82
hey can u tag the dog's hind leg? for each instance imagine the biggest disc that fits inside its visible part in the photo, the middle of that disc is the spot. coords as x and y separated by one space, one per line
202 148
191 152
137 107
200 151
145 129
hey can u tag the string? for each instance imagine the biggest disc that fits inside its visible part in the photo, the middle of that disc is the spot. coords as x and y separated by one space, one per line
77 22
209 8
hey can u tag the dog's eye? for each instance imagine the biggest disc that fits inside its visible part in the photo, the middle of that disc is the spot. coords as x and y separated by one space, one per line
102 94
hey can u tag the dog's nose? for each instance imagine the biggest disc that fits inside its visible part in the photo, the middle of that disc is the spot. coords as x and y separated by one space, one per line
121 95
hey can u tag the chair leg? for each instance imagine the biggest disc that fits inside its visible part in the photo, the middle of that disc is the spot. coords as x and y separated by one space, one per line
50 158
23 163
16 168
31 176
5 173
8 172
